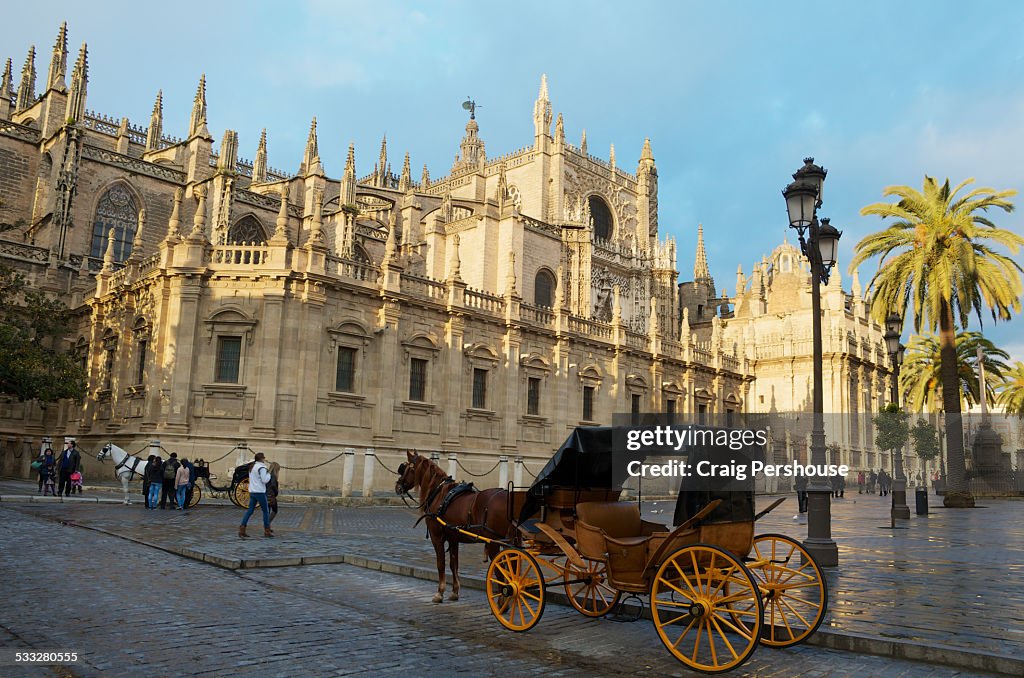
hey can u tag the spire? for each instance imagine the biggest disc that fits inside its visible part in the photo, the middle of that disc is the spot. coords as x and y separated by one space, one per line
199 220
59 61
471 150
79 85
542 111
653 327
259 165
391 244
172 223
611 156
560 130
197 123
137 241
454 263
583 142
311 158
228 151
348 180
616 305
701 272
281 226
858 292
316 235
27 87
559 289
108 254
646 166
156 123
510 277
382 163
405 182
424 178
502 191
7 82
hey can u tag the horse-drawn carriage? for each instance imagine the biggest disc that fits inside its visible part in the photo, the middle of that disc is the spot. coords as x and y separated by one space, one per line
237 491
716 590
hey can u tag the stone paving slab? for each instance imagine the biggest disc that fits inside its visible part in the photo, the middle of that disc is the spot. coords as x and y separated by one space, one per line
140 612
947 584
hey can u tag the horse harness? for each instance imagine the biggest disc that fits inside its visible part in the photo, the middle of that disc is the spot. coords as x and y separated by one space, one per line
133 469
454 490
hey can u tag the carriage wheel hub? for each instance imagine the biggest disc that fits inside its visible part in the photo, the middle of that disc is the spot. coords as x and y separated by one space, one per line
697 610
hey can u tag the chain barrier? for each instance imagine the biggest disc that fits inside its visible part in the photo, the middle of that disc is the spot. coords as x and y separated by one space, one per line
306 468
528 471
477 475
223 456
394 473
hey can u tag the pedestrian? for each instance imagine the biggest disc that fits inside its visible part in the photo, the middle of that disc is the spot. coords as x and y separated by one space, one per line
191 480
273 489
834 482
145 479
872 479
800 484
155 475
76 481
167 485
46 463
860 482
181 480
70 462
842 487
259 476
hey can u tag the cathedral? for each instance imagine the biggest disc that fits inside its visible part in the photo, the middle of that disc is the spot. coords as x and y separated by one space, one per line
479 315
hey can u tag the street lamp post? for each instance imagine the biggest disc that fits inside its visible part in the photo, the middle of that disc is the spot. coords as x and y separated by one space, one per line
893 330
803 198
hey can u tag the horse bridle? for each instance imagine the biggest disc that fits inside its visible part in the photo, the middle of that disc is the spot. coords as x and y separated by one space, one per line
405 490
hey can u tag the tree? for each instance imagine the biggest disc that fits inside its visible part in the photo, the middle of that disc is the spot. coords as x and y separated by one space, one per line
31 327
1011 390
921 373
943 267
926 440
891 429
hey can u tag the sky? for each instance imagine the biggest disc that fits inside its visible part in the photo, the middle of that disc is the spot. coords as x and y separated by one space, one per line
732 94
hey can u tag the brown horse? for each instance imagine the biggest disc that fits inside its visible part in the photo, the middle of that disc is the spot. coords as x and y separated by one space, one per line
482 512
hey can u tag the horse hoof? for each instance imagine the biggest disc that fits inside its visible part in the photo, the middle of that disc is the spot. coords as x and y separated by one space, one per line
437 599
453 596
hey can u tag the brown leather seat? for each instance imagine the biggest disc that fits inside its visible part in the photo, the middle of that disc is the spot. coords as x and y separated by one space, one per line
613 532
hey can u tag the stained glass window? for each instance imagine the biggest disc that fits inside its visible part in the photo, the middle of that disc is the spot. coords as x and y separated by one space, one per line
116 210
247 231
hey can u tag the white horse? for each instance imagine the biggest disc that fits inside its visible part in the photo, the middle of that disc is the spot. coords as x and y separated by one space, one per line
127 467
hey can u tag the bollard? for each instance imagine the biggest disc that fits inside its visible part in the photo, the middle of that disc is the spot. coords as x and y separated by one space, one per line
347 472
453 464
921 495
503 471
369 460
243 452
517 475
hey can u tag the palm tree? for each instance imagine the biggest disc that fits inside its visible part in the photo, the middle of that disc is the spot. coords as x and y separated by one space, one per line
921 373
1011 394
942 268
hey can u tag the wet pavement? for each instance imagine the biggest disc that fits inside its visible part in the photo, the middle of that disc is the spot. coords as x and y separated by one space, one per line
946 584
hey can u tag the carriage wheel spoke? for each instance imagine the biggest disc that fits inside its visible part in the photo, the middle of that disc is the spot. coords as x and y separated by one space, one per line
724 639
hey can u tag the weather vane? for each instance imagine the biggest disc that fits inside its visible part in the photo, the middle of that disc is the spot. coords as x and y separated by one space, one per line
470 106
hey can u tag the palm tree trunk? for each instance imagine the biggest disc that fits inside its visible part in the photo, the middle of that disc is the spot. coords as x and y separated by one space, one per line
958 493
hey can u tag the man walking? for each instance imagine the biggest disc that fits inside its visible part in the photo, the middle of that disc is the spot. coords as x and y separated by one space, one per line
70 462
259 477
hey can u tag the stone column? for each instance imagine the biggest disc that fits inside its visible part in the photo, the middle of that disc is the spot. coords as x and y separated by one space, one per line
349 462
311 338
369 464
184 314
517 473
386 392
453 464
503 471
268 359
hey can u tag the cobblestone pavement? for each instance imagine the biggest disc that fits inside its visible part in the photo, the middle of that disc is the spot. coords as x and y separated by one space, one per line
948 580
133 610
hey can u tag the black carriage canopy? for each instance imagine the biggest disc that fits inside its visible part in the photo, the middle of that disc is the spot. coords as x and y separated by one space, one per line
591 456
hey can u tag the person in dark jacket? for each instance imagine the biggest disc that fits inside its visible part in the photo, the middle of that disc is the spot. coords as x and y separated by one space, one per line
800 485
70 461
47 462
155 477
273 489
145 479
191 480
170 470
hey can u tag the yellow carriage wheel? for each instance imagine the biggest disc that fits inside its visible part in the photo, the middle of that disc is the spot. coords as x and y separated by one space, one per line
794 590
706 608
515 589
197 494
594 596
241 494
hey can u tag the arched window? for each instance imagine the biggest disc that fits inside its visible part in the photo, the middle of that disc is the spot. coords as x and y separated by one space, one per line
600 218
544 288
247 231
360 255
785 263
115 210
